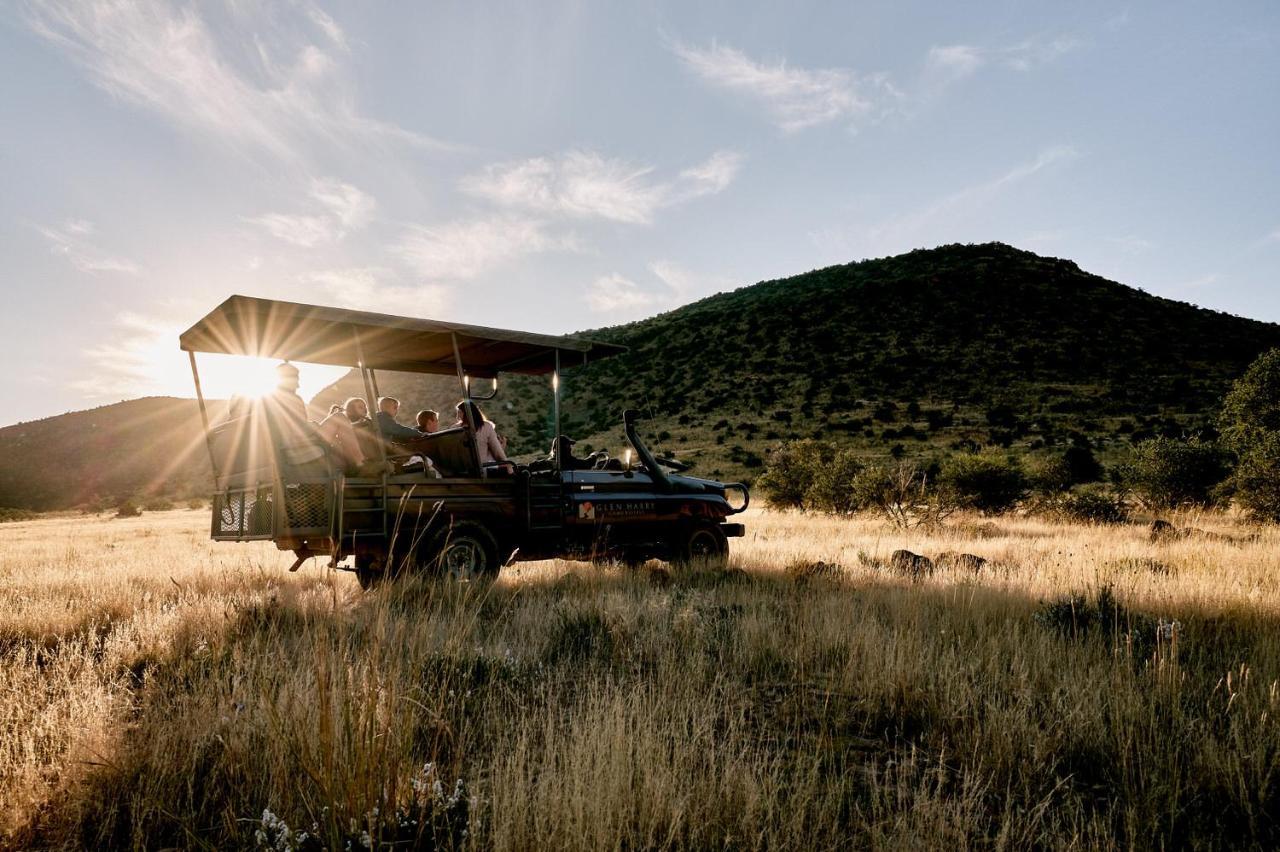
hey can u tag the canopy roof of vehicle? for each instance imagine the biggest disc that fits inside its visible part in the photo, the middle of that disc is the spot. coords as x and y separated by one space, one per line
243 325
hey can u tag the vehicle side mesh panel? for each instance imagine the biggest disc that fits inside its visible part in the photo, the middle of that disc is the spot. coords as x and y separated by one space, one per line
307 506
243 513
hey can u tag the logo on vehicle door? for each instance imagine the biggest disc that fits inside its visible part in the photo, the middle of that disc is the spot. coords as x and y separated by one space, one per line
586 511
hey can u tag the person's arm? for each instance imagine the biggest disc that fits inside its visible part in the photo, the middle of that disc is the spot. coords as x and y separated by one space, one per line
495 444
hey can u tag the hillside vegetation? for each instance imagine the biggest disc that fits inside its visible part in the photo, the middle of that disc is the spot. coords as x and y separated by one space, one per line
938 350
920 355
98 457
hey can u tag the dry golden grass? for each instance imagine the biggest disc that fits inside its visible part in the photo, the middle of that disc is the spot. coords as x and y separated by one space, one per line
161 690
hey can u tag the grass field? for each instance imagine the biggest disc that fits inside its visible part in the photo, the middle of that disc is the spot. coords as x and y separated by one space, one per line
163 691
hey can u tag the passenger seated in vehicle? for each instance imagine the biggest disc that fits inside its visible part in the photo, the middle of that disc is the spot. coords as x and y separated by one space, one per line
388 408
489 447
562 449
395 435
284 399
285 412
428 421
338 429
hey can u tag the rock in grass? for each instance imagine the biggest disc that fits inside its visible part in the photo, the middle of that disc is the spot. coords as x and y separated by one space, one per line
961 561
806 568
1162 531
910 564
1141 563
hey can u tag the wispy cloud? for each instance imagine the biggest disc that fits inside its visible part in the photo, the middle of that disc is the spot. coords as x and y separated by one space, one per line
611 294
338 208
1131 244
377 289
165 58
73 240
794 98
463 250
952 62
300 230
903 232
588 185
676 285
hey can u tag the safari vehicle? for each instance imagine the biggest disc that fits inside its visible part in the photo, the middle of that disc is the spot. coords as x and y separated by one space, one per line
285 485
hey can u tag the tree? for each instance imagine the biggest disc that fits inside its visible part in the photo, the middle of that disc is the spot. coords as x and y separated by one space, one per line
1169 472
1257 478
832 486
1250 426
791 471
990 482
1251 409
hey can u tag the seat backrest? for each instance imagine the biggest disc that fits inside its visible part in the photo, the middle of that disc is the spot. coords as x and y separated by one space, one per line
452 451
241 450
368 437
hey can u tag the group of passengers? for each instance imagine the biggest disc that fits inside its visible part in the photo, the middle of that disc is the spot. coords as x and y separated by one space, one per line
354 436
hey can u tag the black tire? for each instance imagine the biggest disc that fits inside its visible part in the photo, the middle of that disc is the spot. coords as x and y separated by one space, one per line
465 551
702 546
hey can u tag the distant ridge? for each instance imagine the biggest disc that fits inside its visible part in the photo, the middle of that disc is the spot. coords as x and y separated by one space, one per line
924 353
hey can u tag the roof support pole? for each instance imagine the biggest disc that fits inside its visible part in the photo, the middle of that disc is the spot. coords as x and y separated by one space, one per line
466 385
555 397
204 414
370 403
472 426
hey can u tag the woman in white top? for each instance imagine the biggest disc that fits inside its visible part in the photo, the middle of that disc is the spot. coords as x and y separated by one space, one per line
488 444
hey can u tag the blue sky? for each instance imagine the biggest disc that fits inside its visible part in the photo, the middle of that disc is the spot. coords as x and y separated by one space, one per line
560 166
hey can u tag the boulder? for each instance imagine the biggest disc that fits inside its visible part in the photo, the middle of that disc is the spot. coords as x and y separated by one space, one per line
961 561
910 564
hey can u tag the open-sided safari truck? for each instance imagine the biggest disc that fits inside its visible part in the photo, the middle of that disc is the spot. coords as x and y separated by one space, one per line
276 479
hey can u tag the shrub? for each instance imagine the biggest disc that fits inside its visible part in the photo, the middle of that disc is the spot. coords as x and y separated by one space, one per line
128 509
15 515
158 504
1169 472
1083 466
833 484
1049 475
990 482
791 471
1094 506
903 494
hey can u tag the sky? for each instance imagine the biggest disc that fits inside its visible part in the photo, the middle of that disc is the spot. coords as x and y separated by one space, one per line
559 166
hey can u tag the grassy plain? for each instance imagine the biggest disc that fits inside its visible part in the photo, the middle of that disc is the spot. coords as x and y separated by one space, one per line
160 690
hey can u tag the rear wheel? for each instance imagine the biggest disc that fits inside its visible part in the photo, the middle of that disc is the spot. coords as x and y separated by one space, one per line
466 551
702 546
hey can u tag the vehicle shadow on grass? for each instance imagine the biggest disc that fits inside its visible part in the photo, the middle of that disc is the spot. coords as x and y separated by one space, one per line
299 706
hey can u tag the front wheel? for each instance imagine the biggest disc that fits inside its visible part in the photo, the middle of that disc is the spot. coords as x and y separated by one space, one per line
466 551
702 546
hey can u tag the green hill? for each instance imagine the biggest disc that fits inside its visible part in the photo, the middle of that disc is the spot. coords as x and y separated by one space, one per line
150 446
921 354
932 351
